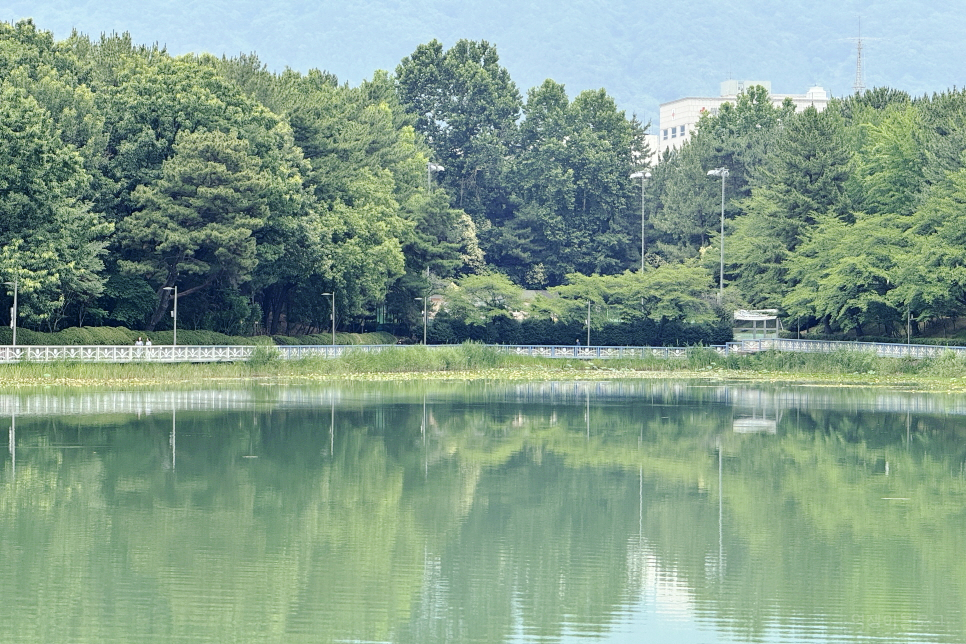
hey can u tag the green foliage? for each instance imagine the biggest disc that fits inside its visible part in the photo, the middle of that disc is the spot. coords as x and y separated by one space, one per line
844 273
478 299
543 331
571 190
123 336
804 182
377 337
263 356
466 106
678 293
52 244
124 170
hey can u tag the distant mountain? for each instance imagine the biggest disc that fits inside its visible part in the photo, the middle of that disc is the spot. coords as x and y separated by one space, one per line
641 53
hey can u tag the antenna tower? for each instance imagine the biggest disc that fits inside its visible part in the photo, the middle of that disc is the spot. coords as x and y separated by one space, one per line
859 85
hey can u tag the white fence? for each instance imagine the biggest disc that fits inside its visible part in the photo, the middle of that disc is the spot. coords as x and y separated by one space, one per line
883 349
167 353
106 353
593 353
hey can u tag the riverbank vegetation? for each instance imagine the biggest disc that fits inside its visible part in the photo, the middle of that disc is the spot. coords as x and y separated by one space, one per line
476 362
267 203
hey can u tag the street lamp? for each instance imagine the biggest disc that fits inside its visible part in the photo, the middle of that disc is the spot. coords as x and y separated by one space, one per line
13 310
333 315
643 175
430 169
425 316
588 323
174 312
723 173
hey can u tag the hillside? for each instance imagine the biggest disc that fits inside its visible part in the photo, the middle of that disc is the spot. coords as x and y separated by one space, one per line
642 55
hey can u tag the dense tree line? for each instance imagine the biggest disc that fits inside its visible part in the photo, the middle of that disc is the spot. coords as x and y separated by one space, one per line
126 172
848 220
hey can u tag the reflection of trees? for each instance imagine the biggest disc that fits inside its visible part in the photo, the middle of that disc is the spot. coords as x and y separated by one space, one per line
498 512
288 545
809 500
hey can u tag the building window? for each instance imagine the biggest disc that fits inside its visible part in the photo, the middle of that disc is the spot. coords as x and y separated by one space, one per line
665 134
674 132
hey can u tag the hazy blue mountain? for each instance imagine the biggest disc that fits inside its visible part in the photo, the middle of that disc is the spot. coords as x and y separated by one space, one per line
643 53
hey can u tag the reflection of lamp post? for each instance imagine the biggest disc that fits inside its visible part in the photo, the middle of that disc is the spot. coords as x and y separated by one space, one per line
723 173
430 169
425 316
333 315
174 436
174 313
720 514
13 310
643 176
13 439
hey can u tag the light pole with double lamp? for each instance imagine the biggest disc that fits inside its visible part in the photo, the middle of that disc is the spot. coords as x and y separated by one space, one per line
333 315
723 173
174 312
425 316
643 175
13 310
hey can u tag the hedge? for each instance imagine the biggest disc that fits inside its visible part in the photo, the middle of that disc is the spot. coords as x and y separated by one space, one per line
504 330
107 335
378 337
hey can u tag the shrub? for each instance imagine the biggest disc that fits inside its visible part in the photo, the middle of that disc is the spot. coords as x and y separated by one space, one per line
504 330
263 356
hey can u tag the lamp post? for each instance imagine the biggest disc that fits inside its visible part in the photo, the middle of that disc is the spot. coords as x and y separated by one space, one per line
174 312
430 169
588 323
13 310
723 173
425 316
643 175
333 315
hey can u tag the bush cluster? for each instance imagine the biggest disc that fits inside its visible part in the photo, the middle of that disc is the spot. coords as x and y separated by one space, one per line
649 333
377 337
109 335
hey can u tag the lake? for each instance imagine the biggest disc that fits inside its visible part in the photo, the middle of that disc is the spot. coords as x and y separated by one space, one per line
613 511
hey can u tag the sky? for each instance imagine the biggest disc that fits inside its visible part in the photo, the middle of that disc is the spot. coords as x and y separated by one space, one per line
642 52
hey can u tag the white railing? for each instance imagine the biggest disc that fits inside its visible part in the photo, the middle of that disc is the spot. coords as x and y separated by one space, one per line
167 353
882 349
109 353
589 353
198 353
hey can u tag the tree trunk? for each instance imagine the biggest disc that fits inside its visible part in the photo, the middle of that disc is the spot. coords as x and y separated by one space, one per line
159 311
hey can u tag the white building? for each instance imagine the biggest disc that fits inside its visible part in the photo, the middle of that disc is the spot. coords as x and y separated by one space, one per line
679 118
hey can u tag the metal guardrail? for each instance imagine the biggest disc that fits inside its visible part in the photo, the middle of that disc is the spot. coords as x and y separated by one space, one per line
882 349
593 353
198 353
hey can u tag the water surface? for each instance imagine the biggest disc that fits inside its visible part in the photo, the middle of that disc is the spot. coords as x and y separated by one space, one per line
545 512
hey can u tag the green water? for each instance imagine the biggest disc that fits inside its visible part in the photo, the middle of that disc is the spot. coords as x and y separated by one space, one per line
547 512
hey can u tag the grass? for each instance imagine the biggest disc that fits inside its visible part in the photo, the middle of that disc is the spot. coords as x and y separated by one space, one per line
473 361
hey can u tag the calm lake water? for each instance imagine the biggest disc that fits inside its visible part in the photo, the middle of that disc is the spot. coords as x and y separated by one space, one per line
543 512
